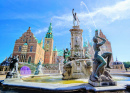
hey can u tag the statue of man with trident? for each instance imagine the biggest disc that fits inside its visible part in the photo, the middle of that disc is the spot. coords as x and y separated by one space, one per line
75 18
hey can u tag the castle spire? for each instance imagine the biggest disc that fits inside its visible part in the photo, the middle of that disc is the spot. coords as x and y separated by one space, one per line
49 33
116 59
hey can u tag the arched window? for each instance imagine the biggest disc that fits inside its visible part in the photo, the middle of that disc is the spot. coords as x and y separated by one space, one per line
29 60
20 47
31 48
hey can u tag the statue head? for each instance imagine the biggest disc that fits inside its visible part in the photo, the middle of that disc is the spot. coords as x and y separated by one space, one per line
95 40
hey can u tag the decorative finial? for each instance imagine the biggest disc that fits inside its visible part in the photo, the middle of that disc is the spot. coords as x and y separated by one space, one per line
116 59
29 28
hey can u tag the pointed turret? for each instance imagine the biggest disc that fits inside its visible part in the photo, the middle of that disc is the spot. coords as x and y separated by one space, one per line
55 49
49 33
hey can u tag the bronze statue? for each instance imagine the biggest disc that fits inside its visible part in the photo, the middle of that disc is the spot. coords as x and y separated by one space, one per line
66 55
14 65
100 75
100 58
75 18
13 68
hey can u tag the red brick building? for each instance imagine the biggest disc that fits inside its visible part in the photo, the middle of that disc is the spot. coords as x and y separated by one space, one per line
30 49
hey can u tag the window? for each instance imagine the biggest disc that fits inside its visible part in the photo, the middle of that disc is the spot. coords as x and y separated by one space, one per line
30 36
29 60
20 47
23 40
29 40
48 42
31 48
24 36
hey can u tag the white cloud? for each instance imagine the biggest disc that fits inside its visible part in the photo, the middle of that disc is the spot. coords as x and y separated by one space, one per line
100 16
119 11
41 30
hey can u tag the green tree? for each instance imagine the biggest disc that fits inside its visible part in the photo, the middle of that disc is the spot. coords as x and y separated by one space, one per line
127 64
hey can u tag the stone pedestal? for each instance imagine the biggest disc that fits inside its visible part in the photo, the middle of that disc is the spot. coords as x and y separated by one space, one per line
77 69
13 77
76 42
102 83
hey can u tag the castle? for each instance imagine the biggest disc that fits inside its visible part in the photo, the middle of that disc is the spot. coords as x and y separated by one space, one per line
30 49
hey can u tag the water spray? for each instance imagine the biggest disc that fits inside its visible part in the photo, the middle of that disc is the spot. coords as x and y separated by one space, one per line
82 3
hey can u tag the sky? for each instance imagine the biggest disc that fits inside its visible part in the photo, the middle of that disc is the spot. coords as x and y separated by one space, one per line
111 16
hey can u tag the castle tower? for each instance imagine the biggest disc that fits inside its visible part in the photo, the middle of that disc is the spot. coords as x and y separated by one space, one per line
48 46
76 41
54 58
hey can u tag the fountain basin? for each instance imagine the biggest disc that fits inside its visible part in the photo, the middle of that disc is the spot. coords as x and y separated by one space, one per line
56 84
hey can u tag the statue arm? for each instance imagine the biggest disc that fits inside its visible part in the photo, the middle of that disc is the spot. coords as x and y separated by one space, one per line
73 11
103 41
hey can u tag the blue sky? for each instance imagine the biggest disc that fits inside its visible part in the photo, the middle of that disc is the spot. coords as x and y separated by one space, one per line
111 16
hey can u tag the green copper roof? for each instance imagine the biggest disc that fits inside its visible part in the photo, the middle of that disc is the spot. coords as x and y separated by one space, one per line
35 38
60 52
55 49
39 41
49 33
50 28
25 44
96 30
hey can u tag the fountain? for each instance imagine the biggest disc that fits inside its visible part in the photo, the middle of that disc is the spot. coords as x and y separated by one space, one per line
77 74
